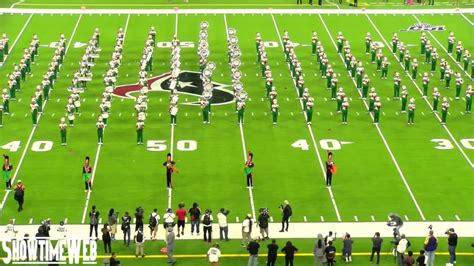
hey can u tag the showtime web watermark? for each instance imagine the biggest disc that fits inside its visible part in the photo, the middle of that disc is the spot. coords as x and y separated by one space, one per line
37 251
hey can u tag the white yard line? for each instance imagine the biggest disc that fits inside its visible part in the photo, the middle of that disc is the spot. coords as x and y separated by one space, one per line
97 154
33 130
389 150
420 91
170 190
446 51
310 129
242 137
467 19
17 38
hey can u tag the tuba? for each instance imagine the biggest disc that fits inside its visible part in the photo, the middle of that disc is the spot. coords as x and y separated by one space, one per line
211 65
238 87
204 25
242 96
207 95
237 75
235 63
231 31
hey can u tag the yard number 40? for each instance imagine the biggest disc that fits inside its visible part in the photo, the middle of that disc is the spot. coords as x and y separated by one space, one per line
325 144
37 146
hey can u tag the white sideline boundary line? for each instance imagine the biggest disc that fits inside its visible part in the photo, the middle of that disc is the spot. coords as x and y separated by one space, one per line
310 129
170 190
97 154
16 40
421 93
467 19
402 176
25 150
242 137
445 50
301 230
234 11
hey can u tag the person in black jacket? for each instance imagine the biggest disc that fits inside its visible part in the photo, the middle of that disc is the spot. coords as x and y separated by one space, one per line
106 238
93 221
263 223
289 251
330 252
272 253
113 260
286 213
452 243
139 218
126 219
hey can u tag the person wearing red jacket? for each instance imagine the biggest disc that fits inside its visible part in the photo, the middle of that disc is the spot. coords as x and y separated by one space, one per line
181 214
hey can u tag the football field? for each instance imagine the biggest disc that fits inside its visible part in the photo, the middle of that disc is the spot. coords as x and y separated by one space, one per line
424 171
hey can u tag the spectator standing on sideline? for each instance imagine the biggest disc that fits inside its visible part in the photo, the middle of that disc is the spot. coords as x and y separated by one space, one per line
153 223
431 244
113 260
86 175
181 214
330 252
126 219
139 243
401 248
170 238
409 260
93 221
223 226
263 223
253 253
112 220
376 247
318 251
106 238
195 215
207 225
347 247
7 171
139 218
272 253
452 243
19 189
396 222
286 214
420 261
168 219
330 237
289 251
246 230
213 255
329 169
